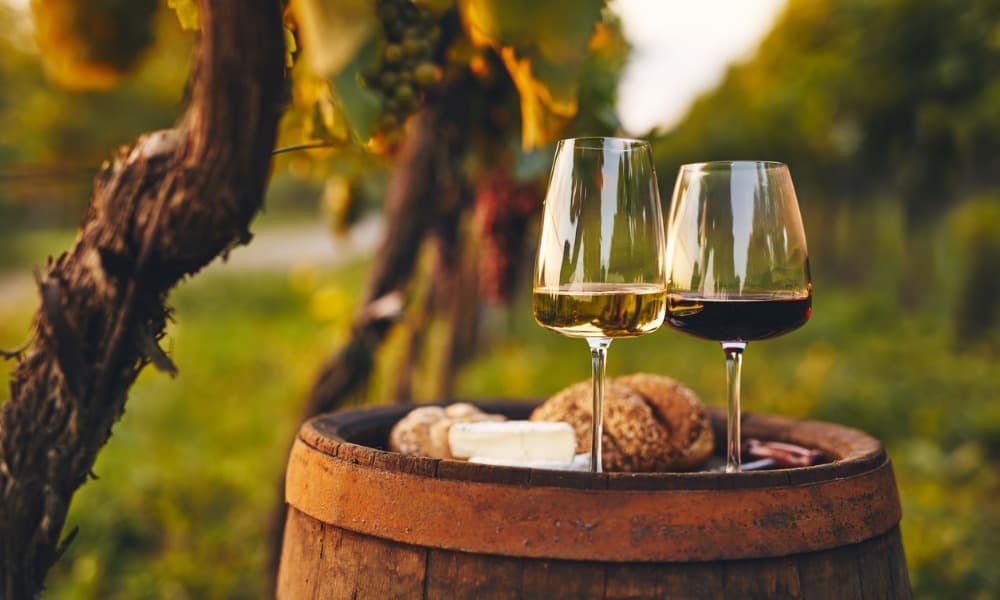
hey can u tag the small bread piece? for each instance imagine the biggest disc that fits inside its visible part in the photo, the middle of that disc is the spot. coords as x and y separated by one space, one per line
438 446
651 423
463 410
411 435
424 430
633 439
680 411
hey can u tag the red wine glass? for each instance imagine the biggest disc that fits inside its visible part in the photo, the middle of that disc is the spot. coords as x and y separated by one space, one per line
737 264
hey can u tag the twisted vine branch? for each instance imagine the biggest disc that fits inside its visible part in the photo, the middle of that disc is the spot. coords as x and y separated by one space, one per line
161 210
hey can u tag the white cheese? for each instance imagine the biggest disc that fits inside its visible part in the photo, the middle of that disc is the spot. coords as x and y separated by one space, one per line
519 441
581 462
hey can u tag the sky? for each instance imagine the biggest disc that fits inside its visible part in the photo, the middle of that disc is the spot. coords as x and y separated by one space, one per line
681 49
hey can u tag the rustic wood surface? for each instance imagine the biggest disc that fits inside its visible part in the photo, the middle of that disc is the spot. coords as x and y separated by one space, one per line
361 516
610 517
324 561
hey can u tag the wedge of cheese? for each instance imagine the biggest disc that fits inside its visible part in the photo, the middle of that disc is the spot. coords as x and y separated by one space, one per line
514 441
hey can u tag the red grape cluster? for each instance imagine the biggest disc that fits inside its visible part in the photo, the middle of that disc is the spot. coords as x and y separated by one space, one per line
406 65
503 209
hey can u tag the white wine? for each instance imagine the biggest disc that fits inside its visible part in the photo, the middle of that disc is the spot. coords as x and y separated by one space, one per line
600 309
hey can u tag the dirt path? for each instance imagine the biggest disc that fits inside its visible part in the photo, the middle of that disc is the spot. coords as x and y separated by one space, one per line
274 248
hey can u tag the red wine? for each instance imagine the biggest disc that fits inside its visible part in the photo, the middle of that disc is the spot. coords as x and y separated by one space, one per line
745 318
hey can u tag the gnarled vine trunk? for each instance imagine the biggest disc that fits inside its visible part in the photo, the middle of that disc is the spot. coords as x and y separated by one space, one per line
161 210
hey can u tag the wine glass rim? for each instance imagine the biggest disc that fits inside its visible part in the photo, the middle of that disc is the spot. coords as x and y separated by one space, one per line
599 142
711 164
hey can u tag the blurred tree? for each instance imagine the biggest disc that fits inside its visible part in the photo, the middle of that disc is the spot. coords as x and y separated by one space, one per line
976 226
864 98
867 101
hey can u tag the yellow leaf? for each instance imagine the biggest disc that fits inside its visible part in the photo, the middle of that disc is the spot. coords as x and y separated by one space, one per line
187 13
290 48
544 45
333 30
542 116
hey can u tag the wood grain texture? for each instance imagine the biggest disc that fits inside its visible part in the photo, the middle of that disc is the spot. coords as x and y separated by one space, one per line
617 517
547 535
323 561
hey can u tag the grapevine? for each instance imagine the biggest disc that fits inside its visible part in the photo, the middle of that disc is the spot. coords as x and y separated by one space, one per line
406 65
504 209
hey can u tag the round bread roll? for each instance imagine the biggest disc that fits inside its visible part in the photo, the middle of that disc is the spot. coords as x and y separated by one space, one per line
680 411
651 423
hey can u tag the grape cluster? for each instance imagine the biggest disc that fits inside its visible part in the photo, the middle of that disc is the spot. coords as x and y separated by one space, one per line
504 209
406 65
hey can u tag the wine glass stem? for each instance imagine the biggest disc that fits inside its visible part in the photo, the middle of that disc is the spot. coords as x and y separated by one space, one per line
734 365
598 358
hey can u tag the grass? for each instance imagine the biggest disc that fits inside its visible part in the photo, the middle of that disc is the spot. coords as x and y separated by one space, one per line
32 247
188 479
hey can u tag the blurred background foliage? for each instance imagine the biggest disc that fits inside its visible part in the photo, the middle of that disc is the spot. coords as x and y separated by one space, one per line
888 114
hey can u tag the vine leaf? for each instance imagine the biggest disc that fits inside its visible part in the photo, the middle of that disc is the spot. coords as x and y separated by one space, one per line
291 47
187 13
333 31
361 107
544 47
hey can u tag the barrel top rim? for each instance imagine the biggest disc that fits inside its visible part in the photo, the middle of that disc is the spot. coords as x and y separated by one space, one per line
856 452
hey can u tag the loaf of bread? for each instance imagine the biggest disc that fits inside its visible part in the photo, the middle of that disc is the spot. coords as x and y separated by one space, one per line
652 423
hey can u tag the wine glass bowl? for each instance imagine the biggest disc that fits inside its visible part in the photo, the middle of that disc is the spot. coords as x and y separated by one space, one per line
737 262
600 267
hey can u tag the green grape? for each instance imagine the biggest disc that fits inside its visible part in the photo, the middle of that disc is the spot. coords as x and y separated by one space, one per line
405 94
405 67
388 13
426 74
415 47
389 121
388 79
393 54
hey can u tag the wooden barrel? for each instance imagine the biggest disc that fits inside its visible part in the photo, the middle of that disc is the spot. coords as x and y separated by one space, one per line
367 523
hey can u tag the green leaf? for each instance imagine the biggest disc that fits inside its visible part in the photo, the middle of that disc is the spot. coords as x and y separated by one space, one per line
187 13
333 31
360 105
544 46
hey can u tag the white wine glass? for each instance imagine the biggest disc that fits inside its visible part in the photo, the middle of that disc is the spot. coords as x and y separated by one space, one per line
737 264
600 268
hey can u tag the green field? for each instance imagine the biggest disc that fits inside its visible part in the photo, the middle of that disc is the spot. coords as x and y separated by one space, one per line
189 477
